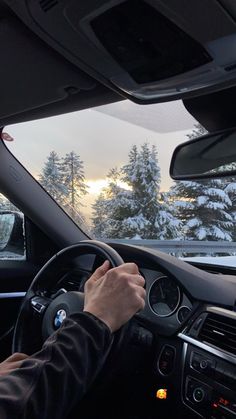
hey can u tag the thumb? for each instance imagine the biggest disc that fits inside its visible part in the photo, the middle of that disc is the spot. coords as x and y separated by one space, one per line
101 271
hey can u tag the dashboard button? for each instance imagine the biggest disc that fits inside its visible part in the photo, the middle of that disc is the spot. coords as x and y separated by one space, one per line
198 394
166 360
204 364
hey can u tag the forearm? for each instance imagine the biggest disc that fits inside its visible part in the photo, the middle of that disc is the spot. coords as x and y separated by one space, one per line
52 381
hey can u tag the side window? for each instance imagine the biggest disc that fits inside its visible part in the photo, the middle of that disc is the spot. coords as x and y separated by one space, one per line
12 237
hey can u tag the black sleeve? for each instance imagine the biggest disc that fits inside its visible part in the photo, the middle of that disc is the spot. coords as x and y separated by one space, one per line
53 380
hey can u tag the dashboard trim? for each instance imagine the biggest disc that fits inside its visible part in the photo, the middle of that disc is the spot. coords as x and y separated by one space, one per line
208 348
16 294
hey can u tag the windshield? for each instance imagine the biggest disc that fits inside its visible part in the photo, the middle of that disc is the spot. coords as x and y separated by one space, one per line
108 167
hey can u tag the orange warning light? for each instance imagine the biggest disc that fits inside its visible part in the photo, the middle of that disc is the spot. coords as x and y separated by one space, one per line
161 393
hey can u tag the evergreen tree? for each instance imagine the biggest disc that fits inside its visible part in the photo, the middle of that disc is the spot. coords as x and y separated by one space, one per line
139 211
112 208
204 209
2 202
72 172
99 217
145 184
152 216
230 189
72 169
171 225
6 205
51 177
64 180
198 131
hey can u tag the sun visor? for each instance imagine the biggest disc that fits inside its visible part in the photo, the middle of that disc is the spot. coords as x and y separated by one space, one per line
32 73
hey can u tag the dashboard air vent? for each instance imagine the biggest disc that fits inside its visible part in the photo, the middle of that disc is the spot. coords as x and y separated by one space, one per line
47 5
219 331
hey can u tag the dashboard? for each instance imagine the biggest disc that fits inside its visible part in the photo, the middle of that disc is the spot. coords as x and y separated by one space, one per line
188 330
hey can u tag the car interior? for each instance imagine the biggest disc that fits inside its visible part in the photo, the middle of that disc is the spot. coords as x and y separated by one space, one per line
61 56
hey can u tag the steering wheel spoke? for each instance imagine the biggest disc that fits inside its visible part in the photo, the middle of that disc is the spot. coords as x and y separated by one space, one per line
39 304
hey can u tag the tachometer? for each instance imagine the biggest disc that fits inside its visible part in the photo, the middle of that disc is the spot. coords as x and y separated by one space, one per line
164 296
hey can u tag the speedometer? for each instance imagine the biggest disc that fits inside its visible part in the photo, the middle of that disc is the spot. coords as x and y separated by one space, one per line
164 296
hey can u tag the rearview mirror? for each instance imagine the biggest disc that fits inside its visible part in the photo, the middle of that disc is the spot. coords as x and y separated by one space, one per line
212 155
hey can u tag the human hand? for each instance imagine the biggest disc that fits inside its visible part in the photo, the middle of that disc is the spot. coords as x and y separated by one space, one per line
115 295
11 363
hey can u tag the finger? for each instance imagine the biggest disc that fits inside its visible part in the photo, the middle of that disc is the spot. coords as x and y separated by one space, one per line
138 280
132 279
18 356
101 271
9 367
142 293
130 268
141 302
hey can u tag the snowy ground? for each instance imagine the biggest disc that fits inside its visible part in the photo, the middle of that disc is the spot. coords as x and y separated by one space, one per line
214 260
10 255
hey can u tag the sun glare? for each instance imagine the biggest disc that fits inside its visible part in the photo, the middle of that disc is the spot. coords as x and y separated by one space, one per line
96 185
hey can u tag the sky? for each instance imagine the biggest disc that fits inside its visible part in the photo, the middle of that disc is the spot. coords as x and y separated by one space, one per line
103 137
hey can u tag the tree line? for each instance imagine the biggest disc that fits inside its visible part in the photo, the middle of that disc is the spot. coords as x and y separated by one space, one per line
190 210
132 204
63 178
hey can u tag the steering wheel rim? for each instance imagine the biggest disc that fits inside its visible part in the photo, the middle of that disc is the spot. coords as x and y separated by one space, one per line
23 341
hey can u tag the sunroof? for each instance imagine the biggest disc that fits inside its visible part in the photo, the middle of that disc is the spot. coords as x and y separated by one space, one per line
146 44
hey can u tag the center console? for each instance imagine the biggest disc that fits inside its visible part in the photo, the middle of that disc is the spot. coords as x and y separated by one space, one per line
209 384
209 371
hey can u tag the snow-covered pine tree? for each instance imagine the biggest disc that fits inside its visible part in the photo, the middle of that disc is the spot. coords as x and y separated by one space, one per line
138 211
2 202
99 217
204 209
230 189
72 168
51 177
171 225
198 131
111 209
6 205
142 174
72 172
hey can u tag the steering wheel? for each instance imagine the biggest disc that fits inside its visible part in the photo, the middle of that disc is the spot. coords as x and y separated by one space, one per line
40 314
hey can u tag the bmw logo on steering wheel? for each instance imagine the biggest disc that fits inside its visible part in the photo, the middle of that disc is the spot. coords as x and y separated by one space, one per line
60 316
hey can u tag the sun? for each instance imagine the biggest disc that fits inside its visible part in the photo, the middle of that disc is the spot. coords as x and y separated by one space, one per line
96 185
